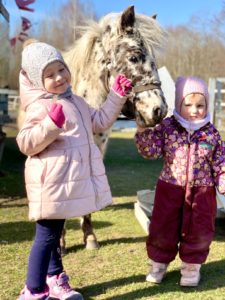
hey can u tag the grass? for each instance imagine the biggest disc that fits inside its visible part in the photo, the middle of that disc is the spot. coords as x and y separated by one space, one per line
117 270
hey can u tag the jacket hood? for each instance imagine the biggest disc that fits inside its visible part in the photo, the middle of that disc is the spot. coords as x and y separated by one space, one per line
28 93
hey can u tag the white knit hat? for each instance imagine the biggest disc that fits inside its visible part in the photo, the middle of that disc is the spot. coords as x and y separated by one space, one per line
189 85
36 57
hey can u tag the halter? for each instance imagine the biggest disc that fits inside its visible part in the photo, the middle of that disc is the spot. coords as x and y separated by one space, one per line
135 89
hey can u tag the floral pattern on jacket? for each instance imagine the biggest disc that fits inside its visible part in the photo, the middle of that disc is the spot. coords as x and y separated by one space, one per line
196 160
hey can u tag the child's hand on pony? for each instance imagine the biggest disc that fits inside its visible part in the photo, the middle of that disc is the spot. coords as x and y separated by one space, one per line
122 85
140 129
56 114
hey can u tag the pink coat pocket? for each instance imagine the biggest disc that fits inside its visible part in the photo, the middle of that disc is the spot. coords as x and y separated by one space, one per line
34 170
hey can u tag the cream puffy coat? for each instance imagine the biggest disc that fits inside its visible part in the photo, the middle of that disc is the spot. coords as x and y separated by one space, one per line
64 172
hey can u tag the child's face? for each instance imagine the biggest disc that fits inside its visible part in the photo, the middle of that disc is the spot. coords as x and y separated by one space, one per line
193 107
56 78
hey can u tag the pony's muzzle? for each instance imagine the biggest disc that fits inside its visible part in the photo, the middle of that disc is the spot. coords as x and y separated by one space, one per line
156 112
146 118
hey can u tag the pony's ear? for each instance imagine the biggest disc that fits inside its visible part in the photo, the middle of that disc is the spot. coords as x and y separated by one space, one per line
127 19
154 16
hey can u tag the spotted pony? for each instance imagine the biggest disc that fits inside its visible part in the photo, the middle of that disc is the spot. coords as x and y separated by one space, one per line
119 43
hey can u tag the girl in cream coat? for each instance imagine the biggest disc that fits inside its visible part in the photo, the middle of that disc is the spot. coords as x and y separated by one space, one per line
64 172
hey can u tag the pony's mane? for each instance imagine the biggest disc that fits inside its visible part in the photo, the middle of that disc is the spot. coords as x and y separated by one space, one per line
150 30
79 53
78 56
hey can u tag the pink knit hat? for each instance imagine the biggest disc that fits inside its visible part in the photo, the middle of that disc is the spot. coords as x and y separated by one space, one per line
188 85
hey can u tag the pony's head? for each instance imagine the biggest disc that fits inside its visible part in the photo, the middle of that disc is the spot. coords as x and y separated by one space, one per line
121 43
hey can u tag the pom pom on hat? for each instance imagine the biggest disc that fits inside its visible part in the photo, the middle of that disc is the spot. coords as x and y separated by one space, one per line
35 58
189 85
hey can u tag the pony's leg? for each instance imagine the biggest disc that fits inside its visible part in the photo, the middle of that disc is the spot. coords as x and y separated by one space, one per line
63 241
90 239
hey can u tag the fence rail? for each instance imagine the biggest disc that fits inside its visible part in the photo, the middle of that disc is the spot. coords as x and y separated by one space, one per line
13 102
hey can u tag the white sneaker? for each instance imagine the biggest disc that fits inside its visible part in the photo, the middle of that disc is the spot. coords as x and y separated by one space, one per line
190 274
157 272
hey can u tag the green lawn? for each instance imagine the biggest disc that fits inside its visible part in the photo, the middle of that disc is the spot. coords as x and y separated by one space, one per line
117 270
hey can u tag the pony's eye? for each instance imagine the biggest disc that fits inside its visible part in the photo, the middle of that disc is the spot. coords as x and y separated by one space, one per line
133 59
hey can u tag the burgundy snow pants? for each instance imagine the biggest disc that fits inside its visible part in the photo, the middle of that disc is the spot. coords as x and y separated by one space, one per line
182 221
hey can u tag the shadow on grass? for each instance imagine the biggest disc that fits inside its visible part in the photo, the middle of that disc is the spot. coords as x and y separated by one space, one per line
15 232
121 206
12 203
77 247
170 284
12 165
75 224
123 241
220 230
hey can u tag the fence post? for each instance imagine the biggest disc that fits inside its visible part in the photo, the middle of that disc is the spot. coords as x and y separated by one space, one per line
2 142
212 87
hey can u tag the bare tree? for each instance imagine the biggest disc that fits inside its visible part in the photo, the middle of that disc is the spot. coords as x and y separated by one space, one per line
61 30
190 52
195 49
218 23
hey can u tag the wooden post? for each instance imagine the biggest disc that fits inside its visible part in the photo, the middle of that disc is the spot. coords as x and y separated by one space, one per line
3 106
2 142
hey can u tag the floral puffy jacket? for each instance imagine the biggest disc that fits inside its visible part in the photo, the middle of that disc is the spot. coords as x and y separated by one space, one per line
196 160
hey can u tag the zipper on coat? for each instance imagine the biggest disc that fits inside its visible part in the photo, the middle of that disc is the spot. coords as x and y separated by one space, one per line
89 145
187 227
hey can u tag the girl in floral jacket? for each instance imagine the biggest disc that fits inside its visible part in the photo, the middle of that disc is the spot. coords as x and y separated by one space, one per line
185 200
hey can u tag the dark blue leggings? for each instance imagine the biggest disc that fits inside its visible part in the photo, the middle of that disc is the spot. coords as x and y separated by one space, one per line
45 255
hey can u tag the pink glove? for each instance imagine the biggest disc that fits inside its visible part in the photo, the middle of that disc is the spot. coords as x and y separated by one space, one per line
122 85
56 114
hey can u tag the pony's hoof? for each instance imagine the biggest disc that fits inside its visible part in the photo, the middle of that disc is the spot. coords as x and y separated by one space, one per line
92 243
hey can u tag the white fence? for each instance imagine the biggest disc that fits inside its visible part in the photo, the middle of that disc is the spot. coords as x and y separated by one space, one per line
13 98
217 101
13 102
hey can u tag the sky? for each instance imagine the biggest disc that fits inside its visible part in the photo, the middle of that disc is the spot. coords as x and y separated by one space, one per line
169 13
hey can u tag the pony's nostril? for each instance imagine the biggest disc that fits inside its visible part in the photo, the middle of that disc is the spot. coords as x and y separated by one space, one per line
156 111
